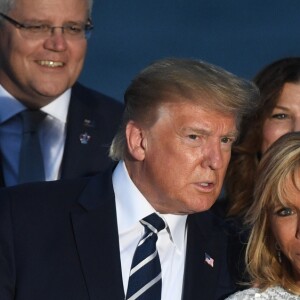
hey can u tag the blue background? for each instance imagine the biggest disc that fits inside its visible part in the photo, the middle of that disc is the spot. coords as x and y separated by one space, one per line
241 36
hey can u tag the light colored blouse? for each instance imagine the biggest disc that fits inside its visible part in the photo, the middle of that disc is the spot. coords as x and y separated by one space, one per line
271 293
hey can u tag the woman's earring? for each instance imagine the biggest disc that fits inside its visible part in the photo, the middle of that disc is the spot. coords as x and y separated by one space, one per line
278 251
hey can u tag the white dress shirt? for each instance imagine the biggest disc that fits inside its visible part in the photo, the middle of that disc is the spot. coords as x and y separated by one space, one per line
131 207
52 134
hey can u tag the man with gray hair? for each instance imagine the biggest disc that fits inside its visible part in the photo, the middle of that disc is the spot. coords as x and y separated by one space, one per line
142 230
51 126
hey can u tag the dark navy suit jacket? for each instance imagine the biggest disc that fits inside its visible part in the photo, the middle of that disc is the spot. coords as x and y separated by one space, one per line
59 241
92 116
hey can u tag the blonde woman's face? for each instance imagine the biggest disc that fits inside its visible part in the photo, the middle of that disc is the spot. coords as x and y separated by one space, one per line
285 224
285 116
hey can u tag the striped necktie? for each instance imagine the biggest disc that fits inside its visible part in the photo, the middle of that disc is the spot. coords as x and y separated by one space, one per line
31 165
145 274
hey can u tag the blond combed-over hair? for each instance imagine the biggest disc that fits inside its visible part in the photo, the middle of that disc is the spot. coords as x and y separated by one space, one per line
183 80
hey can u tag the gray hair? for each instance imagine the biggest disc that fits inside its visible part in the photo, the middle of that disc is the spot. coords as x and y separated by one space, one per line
7 5
192 80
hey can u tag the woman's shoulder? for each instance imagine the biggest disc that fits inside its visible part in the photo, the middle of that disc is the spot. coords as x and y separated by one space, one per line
244 295
270 293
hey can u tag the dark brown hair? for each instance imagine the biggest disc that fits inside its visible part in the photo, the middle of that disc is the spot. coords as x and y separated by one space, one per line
246 152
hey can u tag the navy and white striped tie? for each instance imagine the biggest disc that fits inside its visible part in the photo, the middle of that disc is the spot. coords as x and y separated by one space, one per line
145 275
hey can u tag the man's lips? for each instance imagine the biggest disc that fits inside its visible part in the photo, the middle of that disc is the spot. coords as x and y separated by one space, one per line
206 186
205 183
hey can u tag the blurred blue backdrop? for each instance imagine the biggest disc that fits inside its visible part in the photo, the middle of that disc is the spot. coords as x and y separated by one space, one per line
241 36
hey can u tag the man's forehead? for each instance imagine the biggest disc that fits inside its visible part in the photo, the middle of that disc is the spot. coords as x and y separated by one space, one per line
206 99
183 104
196 115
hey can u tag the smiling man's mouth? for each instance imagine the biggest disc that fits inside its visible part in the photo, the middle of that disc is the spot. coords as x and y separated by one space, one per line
50 63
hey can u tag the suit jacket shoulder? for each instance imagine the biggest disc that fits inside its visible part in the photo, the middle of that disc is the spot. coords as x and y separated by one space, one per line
59 240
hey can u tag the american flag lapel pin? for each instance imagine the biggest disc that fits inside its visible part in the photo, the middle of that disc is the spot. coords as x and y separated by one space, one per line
209 260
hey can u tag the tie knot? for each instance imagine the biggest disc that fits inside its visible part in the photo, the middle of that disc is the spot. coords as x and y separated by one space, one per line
32 119
153 222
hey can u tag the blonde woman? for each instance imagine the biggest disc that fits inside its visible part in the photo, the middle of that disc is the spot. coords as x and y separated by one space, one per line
273 251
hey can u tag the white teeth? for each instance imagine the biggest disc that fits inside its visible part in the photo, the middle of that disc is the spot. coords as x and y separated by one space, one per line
50 63
204 184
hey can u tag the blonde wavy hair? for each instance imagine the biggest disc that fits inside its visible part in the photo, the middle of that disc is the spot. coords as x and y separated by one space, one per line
279 165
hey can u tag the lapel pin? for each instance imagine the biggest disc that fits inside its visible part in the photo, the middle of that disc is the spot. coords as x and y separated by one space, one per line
88 123
84 138
209 260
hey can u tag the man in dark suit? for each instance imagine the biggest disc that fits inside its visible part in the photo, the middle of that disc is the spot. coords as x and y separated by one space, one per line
43 46
89 238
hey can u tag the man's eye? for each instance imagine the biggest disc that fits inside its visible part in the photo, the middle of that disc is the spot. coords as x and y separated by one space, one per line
193 136
284 212
227 140
38 28
279 116
74 29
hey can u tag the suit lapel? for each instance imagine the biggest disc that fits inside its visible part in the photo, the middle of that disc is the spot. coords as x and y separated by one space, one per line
89 134
80 139
96 234
203 280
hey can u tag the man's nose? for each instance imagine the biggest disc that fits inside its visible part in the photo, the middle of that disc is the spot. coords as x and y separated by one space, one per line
56 41
213 157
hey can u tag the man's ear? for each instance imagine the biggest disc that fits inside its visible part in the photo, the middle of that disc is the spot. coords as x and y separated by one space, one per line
136 141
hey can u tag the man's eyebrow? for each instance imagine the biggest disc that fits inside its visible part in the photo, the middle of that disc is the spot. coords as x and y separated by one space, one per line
196 130
233 133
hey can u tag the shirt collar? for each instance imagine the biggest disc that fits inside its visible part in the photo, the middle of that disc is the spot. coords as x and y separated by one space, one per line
10 106
134 207
58 108
177 227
